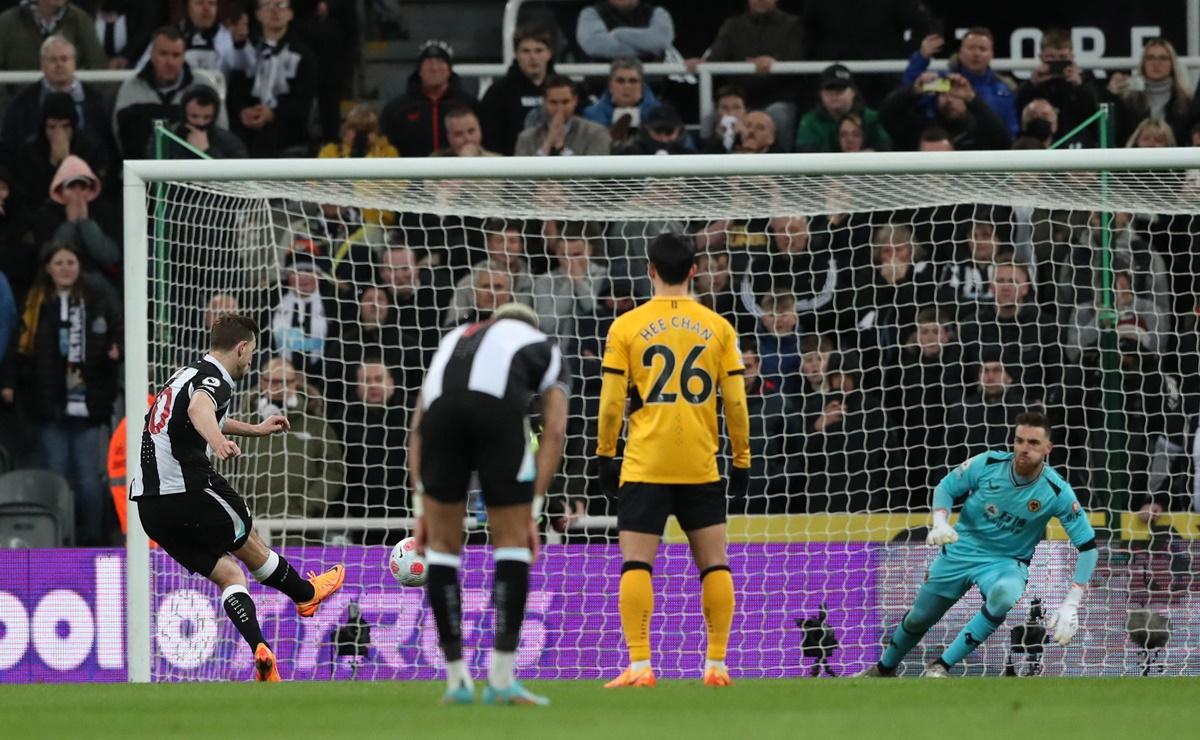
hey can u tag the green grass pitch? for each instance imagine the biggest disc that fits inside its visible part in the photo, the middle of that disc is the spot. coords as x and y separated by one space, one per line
1045 708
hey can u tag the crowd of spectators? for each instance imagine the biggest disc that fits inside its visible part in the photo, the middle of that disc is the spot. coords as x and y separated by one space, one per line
880 347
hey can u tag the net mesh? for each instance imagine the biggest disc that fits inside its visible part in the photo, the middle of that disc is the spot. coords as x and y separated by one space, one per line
893 326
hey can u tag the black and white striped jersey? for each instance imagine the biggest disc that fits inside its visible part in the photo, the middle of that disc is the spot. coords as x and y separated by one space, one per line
508 359
175 458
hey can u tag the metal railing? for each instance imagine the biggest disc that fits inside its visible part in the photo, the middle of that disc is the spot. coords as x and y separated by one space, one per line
704 73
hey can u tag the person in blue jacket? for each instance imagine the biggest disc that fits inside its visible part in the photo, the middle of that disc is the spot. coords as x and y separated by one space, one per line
626 103
973 61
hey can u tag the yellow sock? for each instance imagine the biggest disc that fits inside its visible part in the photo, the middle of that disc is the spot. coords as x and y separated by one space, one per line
716 596
637 604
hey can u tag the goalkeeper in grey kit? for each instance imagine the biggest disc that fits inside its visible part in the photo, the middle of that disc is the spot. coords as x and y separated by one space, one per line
1007 498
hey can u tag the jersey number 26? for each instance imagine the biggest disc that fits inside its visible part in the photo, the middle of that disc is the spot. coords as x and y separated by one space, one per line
687 375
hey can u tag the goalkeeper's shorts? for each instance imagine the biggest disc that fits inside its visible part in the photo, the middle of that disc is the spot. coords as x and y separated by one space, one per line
951 577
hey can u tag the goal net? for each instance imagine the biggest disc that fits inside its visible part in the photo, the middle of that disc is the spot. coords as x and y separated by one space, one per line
893 324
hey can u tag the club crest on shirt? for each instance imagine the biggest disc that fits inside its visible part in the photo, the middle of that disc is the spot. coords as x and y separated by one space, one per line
1035 505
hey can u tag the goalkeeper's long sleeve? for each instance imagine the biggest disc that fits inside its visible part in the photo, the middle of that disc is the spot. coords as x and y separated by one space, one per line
1085 564
737 418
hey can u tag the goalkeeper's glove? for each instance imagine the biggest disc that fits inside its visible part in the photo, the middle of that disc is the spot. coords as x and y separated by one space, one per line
941 533
739 481
610 476
1065 620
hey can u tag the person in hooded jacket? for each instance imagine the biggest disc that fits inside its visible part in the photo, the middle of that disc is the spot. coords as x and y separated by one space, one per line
75 213
58 136
415 122
510 100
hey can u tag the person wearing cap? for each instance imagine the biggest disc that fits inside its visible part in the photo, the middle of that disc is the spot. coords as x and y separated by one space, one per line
764 34
511 99
662 132
58 136
839 96
414 122
24 113
562 133
270 103
625 103
23 28
199 128
156 92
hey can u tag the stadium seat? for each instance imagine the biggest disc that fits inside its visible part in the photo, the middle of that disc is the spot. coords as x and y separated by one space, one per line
37 509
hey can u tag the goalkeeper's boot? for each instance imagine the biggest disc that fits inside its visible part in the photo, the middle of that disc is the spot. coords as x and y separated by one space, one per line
629 678
265 668
717 677
936 669
324 586
516 694
877 671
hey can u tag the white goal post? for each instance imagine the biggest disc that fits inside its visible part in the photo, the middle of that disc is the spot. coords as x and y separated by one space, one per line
769 185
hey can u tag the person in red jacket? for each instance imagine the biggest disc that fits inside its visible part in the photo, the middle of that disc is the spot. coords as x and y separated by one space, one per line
415 122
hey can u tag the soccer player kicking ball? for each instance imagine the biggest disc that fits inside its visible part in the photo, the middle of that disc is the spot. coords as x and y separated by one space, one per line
192 512
669 356
471 416
1007 498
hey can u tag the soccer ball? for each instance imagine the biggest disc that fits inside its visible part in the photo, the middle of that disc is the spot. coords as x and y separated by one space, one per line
406 565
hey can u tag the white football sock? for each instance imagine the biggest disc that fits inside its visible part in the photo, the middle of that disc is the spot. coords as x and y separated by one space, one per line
714 664
639 665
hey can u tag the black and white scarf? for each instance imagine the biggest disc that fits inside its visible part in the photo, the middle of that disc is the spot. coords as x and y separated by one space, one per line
72 345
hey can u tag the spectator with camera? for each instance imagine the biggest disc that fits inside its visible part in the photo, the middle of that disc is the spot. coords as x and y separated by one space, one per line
509 101
270 102
1059 81
562 133
294 475
949 103
819 128
973 63
414 121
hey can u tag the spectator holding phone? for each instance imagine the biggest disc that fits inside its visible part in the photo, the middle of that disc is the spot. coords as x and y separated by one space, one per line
973 62
949 103
1061 83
